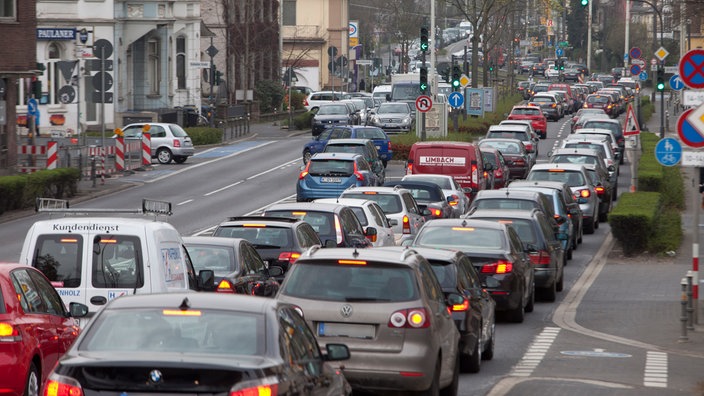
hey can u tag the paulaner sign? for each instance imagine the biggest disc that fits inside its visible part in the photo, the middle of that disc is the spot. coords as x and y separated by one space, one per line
56 34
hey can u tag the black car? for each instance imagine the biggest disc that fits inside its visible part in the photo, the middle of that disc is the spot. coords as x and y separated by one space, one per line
335 224
496 252
279 241
475 318
364 147
429 196
237 266
537 234
198 343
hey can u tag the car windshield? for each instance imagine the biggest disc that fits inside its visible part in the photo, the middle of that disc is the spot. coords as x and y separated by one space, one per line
572 179
217 258
373 282
389 203
333 110
405 92
461 238
389 108
169 330
370 133
261 236
330 167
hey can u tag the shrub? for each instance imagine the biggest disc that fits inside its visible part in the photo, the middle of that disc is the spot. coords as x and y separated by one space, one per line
269 94
668 232
11 188
303 121
205 135
633 220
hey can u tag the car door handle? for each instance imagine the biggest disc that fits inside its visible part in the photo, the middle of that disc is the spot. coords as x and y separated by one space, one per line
98 300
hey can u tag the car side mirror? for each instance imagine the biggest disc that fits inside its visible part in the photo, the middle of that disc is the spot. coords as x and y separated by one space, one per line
329 243
488 167
549 154
454 299
335 352
407 242
206 280
77 310
275 271
560 219
371 231
612 168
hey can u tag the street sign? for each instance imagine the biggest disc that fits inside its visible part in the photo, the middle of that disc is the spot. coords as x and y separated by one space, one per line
638 61
692 98
455 99
559 52
661 53
692 68
199 64
671 69
630 127
635 52
625 57
635 69
643 76
693 158
696 119
687 132
464 80
424 103
676 83
653 62
668 152
364 62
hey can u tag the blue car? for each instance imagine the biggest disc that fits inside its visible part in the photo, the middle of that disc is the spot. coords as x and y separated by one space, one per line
327 175
375 134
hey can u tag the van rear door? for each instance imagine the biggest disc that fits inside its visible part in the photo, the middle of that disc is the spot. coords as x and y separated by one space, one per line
458 161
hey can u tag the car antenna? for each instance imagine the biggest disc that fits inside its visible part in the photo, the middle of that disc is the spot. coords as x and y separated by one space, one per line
185 304
464 223
355 254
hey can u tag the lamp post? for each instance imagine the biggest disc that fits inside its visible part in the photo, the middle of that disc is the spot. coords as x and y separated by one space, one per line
292 81
662 93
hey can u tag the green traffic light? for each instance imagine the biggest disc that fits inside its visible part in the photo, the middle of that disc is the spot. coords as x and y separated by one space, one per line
455 83
661 86
584 3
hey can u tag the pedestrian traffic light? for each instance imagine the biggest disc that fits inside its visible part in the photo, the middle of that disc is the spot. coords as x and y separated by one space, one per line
661 79
423 80
456 74
584 3
424 39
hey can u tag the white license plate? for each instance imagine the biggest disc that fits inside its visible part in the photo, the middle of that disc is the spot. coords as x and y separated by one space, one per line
378 147
345 330
330 180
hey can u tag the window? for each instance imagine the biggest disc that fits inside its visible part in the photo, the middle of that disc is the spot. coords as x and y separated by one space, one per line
289 13
8 10
59 258
181 62
54 77
117 262
153 66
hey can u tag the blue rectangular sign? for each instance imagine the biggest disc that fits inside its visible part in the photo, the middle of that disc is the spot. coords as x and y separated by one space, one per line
474 101
56 34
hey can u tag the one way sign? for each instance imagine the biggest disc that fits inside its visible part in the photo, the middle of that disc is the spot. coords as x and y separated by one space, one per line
630 127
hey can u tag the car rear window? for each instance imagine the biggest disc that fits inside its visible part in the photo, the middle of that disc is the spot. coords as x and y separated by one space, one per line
370 133
422 194
525 111
330 167
613 127
446 274
508 134
178 131
59 258
389 203
260 235
504 147
443 182
322 222
597 99
574 159
117 262
336 281
205 331
461 238
571 178
211 257
505 203
344 148
524 228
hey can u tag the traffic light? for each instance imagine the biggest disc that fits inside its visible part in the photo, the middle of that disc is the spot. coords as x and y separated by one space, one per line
423 80
491 67
584 3
456 74
661 79
218 77
36 87
562 65
424 39
556 66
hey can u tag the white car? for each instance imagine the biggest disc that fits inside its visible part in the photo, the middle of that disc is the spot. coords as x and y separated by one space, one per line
370 215
551 73
455 194
169 142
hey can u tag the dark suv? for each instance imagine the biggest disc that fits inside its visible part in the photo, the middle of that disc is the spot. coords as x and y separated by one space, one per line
336 225
377 135
279 241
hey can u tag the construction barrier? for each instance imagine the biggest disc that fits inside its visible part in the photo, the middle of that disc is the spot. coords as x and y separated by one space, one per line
120 154
52 157
146 149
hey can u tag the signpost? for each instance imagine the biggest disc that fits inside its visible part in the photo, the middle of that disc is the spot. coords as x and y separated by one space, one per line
689 133
668 152
630 127
424 103
456 100
676 83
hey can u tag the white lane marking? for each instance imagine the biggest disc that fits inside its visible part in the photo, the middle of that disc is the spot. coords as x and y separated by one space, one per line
284 165
536 352
184 202
223 188
655 370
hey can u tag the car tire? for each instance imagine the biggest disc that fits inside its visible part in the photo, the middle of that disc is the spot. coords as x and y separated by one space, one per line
488 352
471 363
306 156
561 283
590 227
549 293
604 216
451 389
32 384
164 156
517 315
180 160
568 253
530 306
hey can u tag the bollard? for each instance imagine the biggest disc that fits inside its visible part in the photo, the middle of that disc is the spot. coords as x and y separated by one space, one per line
667 120
92 171
690 301
683 318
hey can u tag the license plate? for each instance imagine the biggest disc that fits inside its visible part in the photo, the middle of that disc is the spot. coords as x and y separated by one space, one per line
345 330
378 147
330 180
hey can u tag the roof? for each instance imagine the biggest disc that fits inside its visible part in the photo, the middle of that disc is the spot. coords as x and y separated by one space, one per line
503 214
305 206
335 156
211 240
544 166
393 255
554 185
464 222
357 202
348 141
507 127
507 193
195 300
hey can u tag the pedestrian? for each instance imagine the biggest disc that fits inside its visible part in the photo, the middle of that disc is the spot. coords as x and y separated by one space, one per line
361 85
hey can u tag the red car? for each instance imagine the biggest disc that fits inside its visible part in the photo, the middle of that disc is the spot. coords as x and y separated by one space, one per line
535 115
35 329
604 102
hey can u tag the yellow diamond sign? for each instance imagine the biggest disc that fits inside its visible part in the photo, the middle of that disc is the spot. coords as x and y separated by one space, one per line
661 53
464 80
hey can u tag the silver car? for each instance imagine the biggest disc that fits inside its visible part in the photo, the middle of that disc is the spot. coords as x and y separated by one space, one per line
369 214
168 141
392 117
388 307
453 191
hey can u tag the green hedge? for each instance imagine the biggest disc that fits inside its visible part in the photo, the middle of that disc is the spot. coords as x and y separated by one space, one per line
20 192
201 136
633 220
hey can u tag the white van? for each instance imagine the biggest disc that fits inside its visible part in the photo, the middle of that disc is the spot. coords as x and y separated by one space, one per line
380 91
92 260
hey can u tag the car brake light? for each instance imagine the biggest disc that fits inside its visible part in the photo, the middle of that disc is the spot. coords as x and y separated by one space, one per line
291 257
455 200
389 145
461 307
304 172
9 333
225 287
409 169
540 257
338 230
436 212
305 102
59 385
406 225
499 267
414 318
599 190
553 105
583 194
359 176
265 387
177 143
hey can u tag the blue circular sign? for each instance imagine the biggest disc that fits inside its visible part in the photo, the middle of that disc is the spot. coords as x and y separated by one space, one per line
559 52
456 99
668 152
635 53
691 68
635 70
687 132
643 75
676 83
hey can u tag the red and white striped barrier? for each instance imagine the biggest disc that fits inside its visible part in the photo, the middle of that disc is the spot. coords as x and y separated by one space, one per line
146 149
95 151
31 150
120 153
52 157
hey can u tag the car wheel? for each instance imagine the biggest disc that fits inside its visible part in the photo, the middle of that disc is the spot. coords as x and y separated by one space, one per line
604 216
306 156
472 363
596 221
384 162
517 315
622 160
568 254
589 227
164 155
530 306
32 384
488 353
581 235
550 293
451 389
180 160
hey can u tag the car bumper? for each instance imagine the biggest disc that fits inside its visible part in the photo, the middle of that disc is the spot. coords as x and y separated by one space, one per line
183 151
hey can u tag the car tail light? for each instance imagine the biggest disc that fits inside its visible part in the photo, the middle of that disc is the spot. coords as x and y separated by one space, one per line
455 200
9 333
553 105
338 230
406 224
461 307
177 143
436 212
499 267
414 318
529 146
291 257
582 194
59 385
409 168
519 161
225 287
600 190
268 386
304 172
305 102
359 176
389 145
540 257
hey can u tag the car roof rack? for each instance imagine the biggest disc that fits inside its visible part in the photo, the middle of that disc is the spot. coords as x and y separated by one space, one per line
149 206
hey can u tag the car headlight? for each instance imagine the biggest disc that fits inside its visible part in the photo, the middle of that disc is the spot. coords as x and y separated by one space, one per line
375 119
407 120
